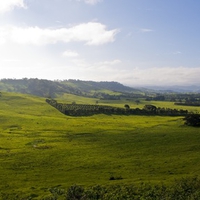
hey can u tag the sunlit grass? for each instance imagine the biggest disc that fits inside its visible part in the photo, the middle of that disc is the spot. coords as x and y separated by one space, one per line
41 148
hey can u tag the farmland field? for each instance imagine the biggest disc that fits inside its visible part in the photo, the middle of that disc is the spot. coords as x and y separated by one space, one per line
41 148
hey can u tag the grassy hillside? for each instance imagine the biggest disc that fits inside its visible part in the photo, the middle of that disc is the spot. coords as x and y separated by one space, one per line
46 88
41 148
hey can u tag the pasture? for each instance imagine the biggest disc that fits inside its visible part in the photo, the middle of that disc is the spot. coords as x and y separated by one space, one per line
41 148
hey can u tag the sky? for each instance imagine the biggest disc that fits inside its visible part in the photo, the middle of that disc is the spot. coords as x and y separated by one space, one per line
134 42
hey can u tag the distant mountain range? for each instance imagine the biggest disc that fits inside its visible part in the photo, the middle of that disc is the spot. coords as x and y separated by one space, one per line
175 88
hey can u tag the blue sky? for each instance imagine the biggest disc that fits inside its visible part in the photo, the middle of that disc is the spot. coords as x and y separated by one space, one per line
135 42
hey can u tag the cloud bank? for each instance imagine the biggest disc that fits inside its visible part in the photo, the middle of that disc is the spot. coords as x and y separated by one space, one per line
92 33
162 76
137 76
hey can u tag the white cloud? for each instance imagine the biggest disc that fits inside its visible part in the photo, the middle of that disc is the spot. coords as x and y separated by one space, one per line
92 33
70 53
145 30
8 5
92 2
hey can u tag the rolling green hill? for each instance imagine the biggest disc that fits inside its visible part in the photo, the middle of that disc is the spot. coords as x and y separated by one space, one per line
46 88
40 148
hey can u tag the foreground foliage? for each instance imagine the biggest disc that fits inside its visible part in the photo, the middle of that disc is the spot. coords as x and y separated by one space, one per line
186 188
182 189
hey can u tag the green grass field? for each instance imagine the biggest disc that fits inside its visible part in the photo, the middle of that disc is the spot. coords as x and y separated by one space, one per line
41 148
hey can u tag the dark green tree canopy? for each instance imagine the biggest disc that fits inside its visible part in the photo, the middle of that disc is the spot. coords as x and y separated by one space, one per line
192 120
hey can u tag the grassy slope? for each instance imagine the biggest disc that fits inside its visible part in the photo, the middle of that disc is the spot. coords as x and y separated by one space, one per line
41 148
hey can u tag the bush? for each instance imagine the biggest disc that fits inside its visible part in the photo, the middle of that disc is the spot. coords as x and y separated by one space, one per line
75 192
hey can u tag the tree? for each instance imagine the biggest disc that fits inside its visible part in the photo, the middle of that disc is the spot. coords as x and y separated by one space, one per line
192 120
127 106
137 101
150 108
74 103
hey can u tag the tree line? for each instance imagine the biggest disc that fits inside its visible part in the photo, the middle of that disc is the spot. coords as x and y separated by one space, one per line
74 109
187 103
